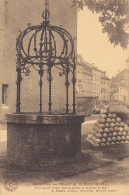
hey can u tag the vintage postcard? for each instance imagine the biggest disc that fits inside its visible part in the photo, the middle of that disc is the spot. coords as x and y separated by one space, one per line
64 97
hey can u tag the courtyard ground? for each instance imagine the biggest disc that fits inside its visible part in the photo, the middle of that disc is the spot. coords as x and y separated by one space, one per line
108 166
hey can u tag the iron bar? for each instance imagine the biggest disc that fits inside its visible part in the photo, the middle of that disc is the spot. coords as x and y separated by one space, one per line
50 88
41 84
74 81
67 90
19 79
49 72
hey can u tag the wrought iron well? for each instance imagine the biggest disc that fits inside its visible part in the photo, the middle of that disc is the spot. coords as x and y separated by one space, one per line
43 54
34 137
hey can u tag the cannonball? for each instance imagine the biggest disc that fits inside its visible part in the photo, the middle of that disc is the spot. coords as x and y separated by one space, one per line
122 142
118 138
93 138
112 125
96 145
110 115
117 124
93 144
90 140
118 119
93 132
114 116
102 121
127 138
90 136
98 135
120 133
95 128
116 129
98 141
113 143
97 124
100 131
124 133
121 129
101 126
103 140
107 143
107 125
102 144
105 135
110 134
113 120
117 142
126 128
121 124
103 116
109 139
126 141
123 138
113 139
106 130
114 134
111 129
108 120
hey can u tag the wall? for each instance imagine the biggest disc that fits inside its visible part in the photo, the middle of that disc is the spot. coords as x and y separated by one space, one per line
96 84
105 89
84 80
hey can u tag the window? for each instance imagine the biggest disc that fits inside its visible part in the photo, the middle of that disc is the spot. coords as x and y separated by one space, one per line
4 93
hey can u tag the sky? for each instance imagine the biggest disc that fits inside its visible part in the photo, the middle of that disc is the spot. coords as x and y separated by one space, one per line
94 47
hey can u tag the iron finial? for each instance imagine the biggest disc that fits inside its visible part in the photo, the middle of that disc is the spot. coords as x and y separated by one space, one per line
46 13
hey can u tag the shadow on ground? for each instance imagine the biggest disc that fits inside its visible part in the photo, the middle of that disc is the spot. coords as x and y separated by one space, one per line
89 159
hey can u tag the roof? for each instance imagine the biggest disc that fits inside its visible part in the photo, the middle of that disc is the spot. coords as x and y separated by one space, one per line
105 77
88 68
123 75
99 69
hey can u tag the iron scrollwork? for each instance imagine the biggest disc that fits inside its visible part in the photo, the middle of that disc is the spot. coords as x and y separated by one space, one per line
40 52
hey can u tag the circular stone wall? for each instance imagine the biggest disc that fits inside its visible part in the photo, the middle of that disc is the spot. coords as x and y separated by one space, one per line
34 137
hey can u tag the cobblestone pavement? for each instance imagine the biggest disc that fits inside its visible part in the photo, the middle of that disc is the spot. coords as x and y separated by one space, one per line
115 173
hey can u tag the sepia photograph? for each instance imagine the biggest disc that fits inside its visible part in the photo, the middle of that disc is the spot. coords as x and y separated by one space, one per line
64 97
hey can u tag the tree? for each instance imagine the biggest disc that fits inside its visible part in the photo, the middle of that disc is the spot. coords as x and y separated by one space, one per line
114 17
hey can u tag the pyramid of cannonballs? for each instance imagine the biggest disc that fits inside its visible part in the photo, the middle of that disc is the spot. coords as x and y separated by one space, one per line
109 129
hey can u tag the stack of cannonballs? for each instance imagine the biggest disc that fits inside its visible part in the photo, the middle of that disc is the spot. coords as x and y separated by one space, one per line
108 130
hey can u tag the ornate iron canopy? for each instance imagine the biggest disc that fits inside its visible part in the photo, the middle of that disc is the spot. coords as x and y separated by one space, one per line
43 47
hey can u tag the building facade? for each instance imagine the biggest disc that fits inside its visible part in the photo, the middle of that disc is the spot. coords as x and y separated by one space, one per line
96 82
15 16
93 87
120 86
84 79
92 82
105 87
